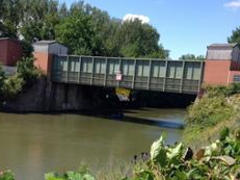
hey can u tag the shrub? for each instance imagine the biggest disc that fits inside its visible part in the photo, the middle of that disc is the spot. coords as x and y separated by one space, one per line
27 71
70 175
6 175
12 86
218 161
209 111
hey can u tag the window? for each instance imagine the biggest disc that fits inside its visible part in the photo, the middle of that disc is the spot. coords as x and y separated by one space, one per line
236 78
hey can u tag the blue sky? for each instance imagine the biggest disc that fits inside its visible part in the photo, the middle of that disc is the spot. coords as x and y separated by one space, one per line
185 26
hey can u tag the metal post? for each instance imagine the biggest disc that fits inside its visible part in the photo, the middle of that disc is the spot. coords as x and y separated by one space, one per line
105 75
201 76
134 74
165 77
181 85
150 73
93 60
119 70
80 66
68 68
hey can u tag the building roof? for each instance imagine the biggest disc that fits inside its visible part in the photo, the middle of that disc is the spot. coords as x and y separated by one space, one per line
8 38
223 45
45 42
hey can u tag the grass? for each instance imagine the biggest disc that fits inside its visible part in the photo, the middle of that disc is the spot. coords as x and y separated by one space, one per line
218 108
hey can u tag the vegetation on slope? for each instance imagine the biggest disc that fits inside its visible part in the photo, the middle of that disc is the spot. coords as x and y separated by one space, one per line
219 107
26 75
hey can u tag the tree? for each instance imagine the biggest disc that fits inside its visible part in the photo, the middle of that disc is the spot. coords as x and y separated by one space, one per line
76 32
235 37
83 28
192 57
140 40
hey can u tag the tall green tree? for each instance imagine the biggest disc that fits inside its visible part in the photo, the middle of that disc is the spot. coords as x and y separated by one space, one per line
76 32
235 37
140 40
82 27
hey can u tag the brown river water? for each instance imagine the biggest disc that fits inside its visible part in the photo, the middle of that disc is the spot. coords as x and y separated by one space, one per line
33 144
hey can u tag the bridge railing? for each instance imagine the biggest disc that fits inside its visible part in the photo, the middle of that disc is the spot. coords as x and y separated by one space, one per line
143 74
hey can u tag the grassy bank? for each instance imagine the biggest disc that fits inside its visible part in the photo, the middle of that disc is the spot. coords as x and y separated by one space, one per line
219 107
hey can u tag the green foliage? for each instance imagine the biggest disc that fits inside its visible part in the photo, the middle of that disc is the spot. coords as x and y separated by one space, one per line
192 57
218 161
6 175
27 48
70 175
235 37
213 107
27 71
26 75
12 86
85 29
218 106
77 33
139 40
224 91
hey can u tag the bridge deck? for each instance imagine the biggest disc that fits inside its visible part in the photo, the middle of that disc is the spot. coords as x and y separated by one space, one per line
140 74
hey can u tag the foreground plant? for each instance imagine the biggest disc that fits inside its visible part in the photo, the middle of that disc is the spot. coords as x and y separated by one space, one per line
219 161
70 175
6 175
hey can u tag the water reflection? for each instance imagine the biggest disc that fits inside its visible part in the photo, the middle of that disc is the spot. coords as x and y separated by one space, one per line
32 144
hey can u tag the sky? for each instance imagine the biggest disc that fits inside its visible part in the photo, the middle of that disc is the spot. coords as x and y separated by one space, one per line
185 26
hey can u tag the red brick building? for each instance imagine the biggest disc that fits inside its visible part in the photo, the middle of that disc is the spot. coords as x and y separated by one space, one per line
222 66
10 51
43 53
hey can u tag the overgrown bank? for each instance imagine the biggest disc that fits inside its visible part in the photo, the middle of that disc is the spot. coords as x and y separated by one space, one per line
25 77
217 108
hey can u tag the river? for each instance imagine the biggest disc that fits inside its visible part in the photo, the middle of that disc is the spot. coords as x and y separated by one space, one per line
33 144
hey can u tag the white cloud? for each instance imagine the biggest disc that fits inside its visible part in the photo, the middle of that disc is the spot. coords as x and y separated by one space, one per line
132 17
233 4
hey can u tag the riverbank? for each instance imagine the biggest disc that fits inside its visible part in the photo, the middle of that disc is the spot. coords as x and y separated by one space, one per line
218 108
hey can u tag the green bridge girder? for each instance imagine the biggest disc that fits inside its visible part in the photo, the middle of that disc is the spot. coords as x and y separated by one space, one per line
172 76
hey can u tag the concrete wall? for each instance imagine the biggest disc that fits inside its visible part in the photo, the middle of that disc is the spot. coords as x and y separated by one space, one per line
44 96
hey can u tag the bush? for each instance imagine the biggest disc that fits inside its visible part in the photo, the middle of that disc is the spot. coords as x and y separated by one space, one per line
213 91
12 87
218 161
209 111
6 175
219 107
70 175
27 71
